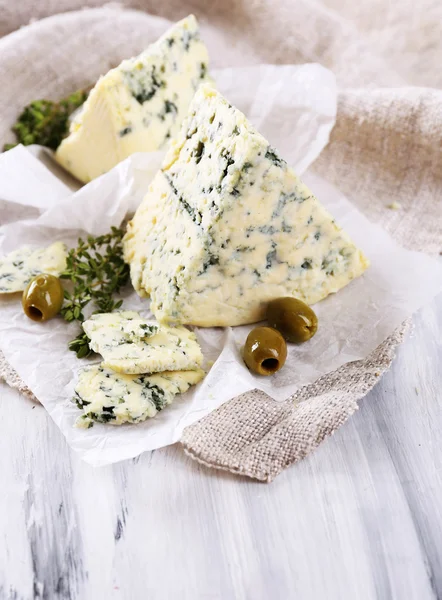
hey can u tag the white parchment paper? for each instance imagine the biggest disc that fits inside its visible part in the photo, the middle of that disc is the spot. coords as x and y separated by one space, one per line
295 109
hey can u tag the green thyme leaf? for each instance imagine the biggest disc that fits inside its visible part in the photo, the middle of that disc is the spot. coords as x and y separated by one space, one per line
80 345
45 122
97 272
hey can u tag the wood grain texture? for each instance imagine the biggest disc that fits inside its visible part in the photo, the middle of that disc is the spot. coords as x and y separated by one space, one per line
360 518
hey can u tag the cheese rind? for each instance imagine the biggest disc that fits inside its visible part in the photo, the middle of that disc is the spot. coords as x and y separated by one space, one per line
226 226
119 338
114 398
139 105
19 267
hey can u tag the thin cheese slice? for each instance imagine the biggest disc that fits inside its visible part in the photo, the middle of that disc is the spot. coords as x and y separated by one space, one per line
226 226
109 397
117 328
19 267
118 338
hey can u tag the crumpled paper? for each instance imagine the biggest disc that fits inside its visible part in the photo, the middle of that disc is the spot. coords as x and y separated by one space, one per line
295 108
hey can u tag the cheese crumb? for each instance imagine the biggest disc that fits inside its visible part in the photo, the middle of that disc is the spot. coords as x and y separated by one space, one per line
394 206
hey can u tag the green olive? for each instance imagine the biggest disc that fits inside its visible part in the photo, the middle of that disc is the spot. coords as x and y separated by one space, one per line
43 297
293 318
265 351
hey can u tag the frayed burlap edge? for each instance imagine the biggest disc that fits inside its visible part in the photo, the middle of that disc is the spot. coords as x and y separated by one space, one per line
9 376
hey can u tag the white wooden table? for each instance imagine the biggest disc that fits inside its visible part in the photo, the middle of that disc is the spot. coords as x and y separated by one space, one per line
361 518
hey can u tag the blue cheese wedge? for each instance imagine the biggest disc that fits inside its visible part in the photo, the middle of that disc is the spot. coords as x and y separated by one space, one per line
129 344
139 105
19 267
109 397
226 226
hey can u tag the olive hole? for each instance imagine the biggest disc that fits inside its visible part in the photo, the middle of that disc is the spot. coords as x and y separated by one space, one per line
35 313
270 365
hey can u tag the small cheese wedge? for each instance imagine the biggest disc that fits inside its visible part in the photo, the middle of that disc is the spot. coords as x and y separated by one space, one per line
19 267
226 226
139 105
118 338
114 398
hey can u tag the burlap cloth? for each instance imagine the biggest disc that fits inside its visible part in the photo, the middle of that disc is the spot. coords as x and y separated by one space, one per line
386 146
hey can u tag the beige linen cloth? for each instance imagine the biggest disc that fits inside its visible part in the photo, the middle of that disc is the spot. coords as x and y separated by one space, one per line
386 147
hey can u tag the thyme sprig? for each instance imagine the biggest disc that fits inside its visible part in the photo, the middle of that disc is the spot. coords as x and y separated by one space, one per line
46 122
97 271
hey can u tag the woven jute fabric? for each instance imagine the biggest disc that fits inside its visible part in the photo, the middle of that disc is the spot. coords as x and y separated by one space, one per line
386 147
10 376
